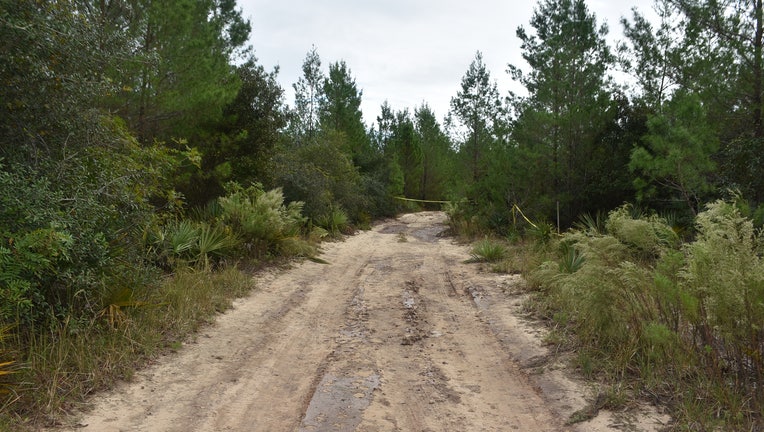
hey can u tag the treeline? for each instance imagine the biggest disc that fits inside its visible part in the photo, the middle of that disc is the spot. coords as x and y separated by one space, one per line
685 131
138 138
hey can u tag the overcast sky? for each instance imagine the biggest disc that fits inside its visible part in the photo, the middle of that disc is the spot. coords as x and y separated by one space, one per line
403 51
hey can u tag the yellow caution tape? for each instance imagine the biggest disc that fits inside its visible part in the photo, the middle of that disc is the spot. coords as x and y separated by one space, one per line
424 201
516 209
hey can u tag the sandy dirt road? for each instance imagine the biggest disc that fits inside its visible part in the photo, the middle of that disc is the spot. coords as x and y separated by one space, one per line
396 333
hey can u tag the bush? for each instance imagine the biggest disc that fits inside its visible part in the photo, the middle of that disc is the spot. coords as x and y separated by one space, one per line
260 218
724 273
67 230
322 176
542 233
648 235
686 319
335 221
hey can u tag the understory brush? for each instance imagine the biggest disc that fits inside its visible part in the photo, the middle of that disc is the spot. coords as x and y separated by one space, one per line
264 221
57 367
248 223
335 221
156 283
463 221
682 321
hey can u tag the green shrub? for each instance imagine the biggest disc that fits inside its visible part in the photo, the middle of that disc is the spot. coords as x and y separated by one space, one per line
184 242
685 320
542 233
601 285
68 229
260 218
26 266
594 224
571 259
725 275
648 235
335 221
321 175
210 212
213 242
181 239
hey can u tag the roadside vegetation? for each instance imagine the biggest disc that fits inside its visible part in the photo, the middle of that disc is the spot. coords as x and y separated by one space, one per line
654 313
148 163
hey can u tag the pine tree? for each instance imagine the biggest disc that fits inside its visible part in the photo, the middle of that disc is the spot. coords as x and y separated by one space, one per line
653 55
308 98
437 155
477 107
723 61
181 68
569 105
340 111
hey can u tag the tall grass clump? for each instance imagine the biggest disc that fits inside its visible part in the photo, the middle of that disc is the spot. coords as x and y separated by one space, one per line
682 320
487 250
724 279
6 368
62 364
592 223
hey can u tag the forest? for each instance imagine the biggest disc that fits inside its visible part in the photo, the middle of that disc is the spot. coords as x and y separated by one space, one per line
145 151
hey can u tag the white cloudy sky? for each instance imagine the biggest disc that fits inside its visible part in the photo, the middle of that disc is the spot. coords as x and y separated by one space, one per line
403 51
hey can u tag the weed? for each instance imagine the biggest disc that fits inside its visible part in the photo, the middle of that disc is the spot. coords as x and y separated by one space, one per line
115 304
210 212
555 338
585 364
513 236
6 366
295 247
463 220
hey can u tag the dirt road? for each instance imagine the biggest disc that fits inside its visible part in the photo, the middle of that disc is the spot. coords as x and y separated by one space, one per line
396 333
